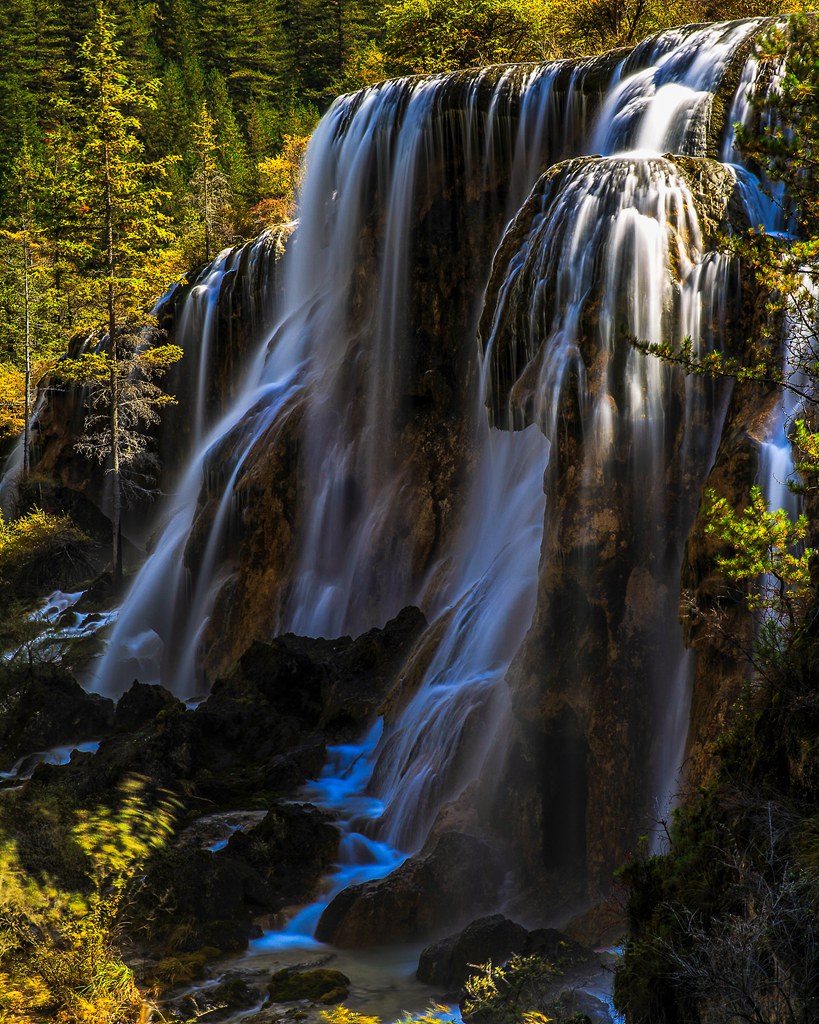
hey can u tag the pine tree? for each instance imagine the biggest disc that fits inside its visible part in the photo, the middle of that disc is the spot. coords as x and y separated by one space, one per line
26 271
208 184
125 250
18 74
176 31
233 153
169 125
33 322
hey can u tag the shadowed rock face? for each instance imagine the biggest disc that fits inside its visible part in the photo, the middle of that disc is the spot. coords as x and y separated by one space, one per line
444 883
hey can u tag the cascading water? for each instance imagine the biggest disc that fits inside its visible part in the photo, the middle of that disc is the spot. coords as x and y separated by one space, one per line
603 247
767 211
410 185
160 604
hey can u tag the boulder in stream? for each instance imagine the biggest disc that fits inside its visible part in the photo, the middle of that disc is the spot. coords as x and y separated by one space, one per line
321 985
453 876
450 961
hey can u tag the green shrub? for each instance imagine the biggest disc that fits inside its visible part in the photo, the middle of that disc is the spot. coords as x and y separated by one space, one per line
58 951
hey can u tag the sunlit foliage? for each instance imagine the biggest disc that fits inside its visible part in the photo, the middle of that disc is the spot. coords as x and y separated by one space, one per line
58 950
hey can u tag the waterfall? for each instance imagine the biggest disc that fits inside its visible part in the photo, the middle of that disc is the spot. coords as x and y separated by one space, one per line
603 247
405 490
161 603
767 209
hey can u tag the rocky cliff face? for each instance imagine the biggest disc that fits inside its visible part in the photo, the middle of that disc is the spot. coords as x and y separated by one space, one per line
356 473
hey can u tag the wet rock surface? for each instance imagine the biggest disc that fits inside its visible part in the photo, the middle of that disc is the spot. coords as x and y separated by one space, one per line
42 706
450 961
454 876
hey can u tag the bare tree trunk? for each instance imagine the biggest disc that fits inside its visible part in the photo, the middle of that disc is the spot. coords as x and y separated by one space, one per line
207 207
113 382
27 411
340 36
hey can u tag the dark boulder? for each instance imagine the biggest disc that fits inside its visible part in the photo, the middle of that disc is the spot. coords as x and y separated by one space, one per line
268 704
449 880
214 830
282 698
558 948
234 992
285 772
288 850
364 671
195 898
141 704
450 961
288 673
42 706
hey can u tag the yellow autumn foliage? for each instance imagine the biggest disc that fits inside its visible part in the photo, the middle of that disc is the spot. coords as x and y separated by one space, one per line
59 959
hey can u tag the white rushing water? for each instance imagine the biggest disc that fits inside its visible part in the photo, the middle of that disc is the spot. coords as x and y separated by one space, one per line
622 229
618 240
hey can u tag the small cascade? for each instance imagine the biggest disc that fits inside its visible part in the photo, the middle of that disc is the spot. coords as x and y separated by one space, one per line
160 605
767 211
528 536
238 286
196 327
660 99
341 789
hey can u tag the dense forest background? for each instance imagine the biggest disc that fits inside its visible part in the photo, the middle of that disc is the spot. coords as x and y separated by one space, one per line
223 97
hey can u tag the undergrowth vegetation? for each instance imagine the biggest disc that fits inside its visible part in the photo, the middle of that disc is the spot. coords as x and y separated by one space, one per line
59 953
32 545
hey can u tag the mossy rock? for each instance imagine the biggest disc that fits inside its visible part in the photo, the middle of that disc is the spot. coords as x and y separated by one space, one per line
322 985
180 969
235 993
